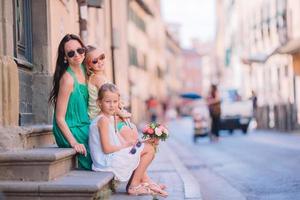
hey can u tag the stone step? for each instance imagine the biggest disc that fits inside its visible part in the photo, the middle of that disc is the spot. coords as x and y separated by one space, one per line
40 164
37 136
76 185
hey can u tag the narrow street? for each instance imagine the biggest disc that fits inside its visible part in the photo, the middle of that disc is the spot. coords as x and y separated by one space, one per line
259 165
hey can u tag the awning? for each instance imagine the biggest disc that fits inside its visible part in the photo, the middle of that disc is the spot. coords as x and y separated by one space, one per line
190 95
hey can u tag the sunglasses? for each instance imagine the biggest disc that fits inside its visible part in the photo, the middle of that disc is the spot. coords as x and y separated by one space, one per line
71 53
137 145
101 57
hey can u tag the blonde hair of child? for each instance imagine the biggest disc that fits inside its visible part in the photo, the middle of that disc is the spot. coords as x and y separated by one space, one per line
107 87
89 50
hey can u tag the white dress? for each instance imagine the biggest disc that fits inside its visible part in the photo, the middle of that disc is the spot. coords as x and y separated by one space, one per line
122 163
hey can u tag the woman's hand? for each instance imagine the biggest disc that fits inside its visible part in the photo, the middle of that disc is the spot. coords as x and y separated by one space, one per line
80 148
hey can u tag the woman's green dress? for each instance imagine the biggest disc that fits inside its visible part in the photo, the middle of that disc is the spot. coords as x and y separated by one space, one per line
77 120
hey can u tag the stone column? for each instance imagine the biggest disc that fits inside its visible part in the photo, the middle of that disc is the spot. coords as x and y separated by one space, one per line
41 76
9 92
6 28
9 104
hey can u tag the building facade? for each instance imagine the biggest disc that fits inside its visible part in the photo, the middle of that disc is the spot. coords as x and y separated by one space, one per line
261 46
29 40
131 33
148 60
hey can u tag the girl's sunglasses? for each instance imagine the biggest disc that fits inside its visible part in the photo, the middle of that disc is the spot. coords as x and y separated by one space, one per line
71 53
101 57
133 149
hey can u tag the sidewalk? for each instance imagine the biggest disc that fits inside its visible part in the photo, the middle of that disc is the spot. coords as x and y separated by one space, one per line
168 169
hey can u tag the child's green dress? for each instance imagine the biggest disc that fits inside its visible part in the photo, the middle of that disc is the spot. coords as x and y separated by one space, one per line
77 120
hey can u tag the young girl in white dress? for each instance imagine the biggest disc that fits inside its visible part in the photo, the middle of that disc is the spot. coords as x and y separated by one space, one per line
110 152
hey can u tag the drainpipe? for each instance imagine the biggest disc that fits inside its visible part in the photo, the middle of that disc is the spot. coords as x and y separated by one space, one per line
83 17
112 47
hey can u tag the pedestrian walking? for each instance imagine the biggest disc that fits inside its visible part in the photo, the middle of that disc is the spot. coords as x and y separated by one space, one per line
254 104
69 96
152 106
214 105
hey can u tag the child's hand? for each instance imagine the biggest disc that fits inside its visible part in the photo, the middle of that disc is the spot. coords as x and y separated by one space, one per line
127 144
154 141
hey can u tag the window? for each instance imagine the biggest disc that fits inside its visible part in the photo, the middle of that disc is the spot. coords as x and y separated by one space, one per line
138 21
160 73
133 56
286 70
23 31
95 3
137 58
227 57
145 61
281 14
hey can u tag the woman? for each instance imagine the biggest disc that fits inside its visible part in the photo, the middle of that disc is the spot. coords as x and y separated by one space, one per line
214 105
70 99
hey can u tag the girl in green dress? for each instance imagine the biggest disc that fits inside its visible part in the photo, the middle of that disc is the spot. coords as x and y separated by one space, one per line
70 99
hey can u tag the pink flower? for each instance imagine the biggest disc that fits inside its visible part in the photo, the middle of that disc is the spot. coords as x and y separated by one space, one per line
158 131
150 131
165 131
145 129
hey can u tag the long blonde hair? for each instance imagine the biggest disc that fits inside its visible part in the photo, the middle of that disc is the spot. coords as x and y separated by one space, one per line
89 50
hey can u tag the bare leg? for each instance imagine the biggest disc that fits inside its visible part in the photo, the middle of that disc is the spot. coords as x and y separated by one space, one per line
145 178
146 158
136 186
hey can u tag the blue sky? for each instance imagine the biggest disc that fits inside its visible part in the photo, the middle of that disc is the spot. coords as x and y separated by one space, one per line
196 17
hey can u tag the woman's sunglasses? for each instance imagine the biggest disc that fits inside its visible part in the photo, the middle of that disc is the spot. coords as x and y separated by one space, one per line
71 53
133 149
101 57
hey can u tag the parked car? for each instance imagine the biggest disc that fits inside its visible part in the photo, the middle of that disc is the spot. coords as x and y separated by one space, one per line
236 113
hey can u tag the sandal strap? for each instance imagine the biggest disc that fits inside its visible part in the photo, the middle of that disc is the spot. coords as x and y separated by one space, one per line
157 189
136 189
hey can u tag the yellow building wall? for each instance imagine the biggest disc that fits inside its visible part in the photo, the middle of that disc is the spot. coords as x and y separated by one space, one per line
63 18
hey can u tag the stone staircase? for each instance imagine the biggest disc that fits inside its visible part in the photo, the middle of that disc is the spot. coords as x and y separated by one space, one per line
41 171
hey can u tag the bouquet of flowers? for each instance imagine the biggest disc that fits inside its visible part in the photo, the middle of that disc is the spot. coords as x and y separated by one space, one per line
155 131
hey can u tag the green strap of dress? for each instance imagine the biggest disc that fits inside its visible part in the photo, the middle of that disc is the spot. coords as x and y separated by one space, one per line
121 124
